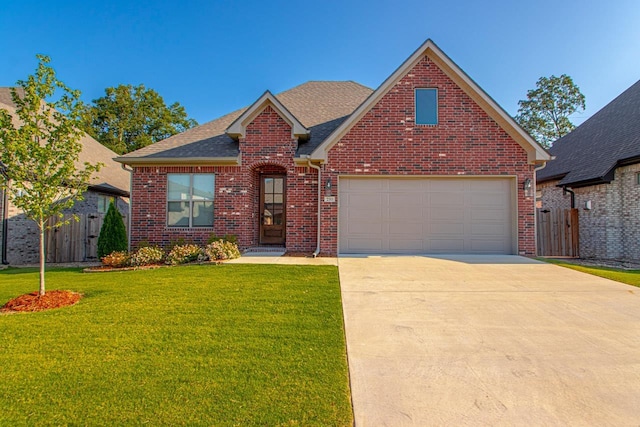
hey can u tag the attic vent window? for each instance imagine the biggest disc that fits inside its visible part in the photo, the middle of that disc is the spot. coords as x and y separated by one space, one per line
427 106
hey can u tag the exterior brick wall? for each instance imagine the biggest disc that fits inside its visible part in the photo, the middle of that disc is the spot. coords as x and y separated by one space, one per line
268 148
466 141
23 239
611 228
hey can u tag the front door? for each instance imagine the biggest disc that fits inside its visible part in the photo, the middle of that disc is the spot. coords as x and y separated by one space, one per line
272 210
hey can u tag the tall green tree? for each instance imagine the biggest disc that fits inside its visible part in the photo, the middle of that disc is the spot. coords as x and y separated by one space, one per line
545 113
131 117
40 148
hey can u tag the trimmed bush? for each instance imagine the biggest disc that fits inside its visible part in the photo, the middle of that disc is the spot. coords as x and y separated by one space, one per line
147 255
116 259
220 249
113 234
182 254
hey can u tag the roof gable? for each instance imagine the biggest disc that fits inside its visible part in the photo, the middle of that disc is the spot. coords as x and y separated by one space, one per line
535 152
238 128
590 153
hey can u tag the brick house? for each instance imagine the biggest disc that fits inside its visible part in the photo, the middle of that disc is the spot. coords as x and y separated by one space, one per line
426 163
598 164
19 236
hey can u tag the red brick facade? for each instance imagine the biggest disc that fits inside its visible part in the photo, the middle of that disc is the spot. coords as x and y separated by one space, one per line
385 142
268 148
466 141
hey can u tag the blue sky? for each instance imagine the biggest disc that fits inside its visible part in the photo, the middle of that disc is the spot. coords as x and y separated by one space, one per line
216 56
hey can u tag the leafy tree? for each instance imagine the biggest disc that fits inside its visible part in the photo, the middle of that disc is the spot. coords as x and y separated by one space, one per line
545 113
113 234
39 150
131 117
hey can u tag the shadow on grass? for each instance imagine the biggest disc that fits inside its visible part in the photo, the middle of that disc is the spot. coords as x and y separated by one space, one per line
31 270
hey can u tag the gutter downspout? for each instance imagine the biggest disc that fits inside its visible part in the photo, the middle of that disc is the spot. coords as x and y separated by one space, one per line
311 165
535 211
124 167
566 190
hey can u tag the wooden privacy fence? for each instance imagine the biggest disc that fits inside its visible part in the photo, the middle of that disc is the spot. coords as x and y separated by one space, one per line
558 232
76 241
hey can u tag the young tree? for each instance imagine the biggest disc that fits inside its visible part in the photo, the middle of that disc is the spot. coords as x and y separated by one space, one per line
545 113
39 150
128 118
113 234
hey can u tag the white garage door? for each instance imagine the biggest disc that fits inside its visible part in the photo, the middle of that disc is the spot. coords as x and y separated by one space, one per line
426 215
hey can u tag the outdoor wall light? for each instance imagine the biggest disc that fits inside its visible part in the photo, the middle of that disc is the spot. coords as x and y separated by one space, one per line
527 186
328 186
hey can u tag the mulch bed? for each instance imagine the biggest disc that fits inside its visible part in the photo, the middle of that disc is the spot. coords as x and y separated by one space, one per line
34 302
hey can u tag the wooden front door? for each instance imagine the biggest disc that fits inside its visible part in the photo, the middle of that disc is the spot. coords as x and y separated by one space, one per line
272 210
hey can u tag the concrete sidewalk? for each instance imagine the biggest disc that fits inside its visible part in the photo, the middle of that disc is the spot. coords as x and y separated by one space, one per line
489 341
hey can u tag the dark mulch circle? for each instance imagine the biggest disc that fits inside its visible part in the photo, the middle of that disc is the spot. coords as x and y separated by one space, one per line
34 302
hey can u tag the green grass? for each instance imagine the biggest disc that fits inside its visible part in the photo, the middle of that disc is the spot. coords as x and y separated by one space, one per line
199 345
630 277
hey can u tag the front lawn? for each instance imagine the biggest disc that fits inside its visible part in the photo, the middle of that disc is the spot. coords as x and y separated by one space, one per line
630 277
199 345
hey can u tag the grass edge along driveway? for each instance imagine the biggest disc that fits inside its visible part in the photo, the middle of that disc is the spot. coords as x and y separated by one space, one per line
197 345
630 277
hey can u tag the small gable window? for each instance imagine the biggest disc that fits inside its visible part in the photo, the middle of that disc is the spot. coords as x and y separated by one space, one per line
190 200
426 106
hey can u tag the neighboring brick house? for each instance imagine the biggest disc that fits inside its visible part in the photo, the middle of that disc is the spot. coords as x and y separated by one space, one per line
19 236
426 163
599 162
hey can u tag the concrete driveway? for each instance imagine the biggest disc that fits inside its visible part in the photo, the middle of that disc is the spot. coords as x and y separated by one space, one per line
488 340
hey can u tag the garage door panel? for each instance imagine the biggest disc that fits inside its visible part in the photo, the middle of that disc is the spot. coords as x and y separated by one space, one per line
403 185
405 245
488 230
447 214
365 244
364 228
487 199
446 245
447 199
446 185
364 185
447 228
426 215
489 215
410 228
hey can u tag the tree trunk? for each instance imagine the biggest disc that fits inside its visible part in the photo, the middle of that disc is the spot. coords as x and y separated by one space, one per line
42 258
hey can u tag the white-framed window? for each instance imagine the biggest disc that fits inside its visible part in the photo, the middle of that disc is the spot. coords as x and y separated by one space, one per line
637 178
426 106
190 199
104 202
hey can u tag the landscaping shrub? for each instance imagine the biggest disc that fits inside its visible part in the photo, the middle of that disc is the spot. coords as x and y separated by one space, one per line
116 259
147 255
113 234
182 254
220 249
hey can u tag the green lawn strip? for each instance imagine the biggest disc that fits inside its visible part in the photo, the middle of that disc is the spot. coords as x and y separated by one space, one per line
198 345
630 277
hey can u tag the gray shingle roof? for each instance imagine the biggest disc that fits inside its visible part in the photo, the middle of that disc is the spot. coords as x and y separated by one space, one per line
319 105
111 178
591 152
